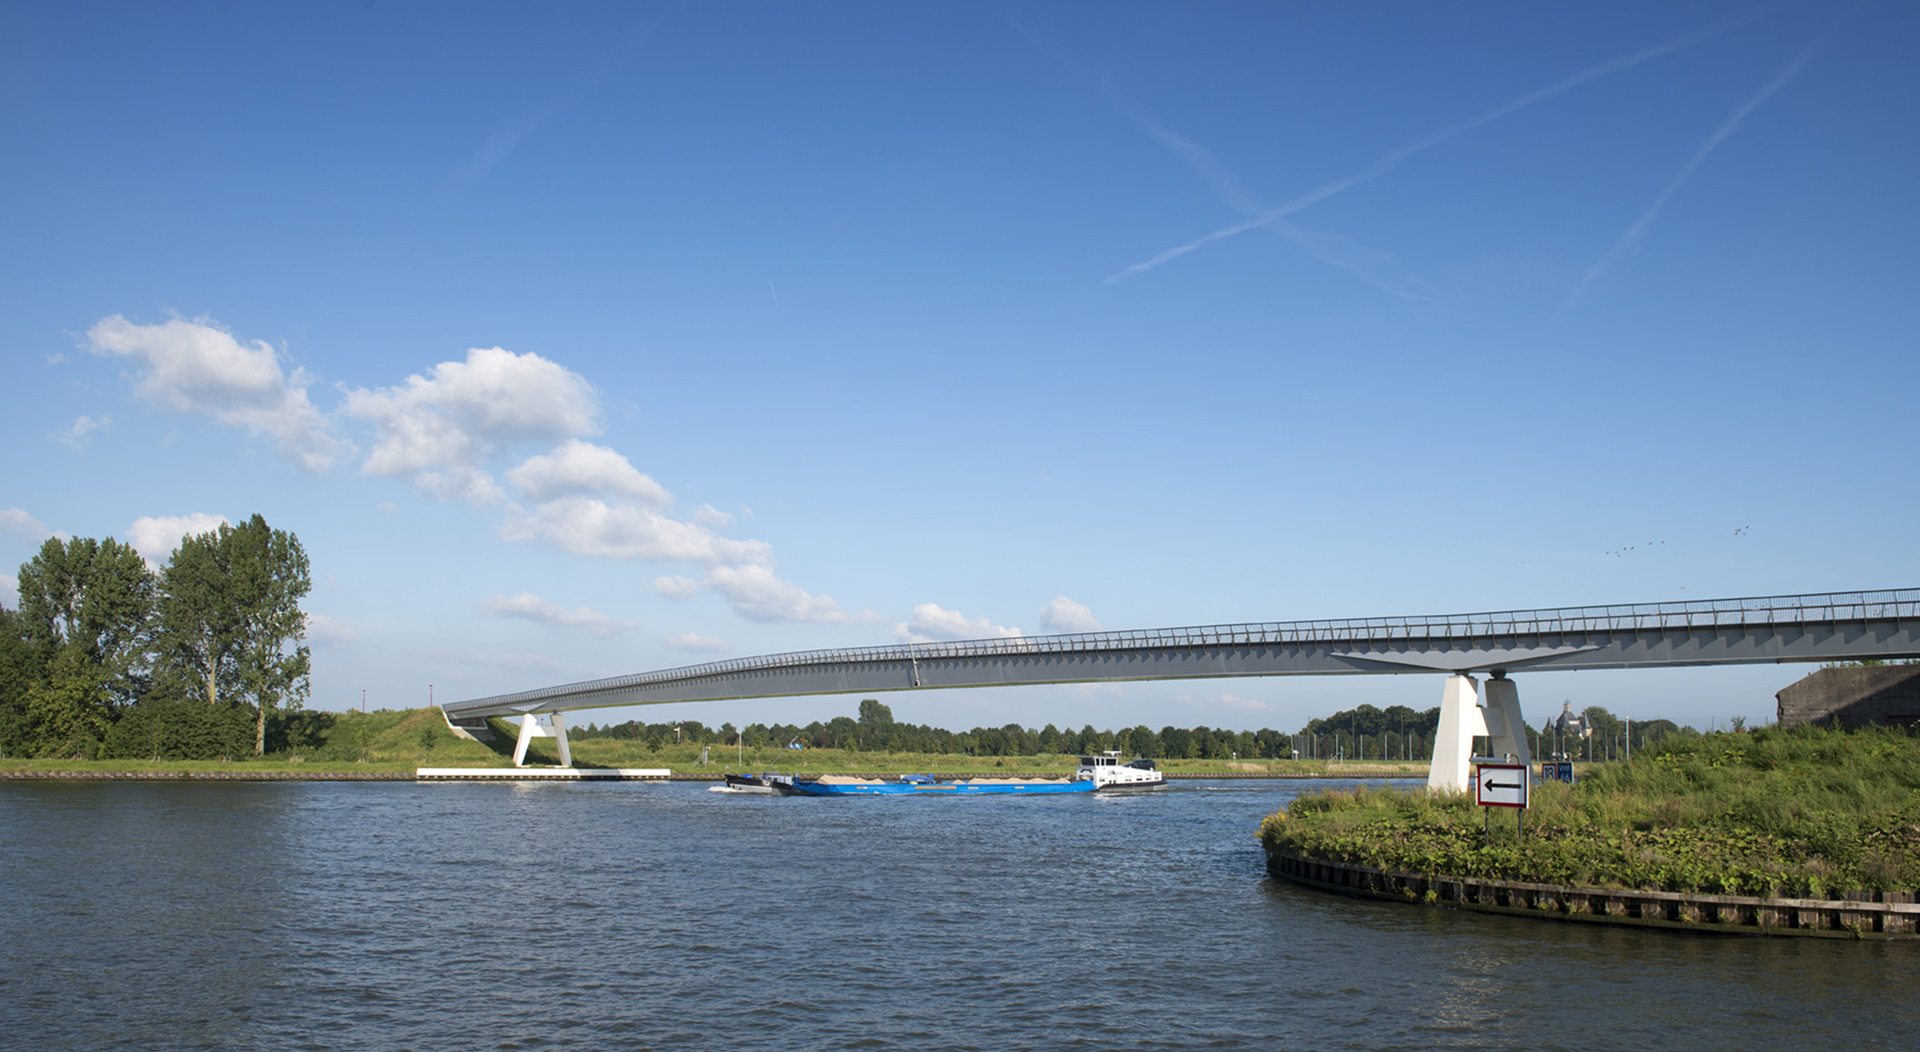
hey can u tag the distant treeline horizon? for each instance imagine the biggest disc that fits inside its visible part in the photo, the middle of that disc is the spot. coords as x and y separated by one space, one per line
1363 732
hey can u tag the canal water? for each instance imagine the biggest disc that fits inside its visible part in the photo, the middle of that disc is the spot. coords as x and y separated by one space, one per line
640 916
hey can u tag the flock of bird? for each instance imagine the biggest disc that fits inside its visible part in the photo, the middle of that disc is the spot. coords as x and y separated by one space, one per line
1619 552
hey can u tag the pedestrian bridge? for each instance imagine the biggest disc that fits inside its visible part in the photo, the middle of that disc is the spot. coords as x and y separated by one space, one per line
1850 626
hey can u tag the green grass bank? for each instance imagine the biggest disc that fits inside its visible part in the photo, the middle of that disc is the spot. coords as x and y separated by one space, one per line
1767 812
400 741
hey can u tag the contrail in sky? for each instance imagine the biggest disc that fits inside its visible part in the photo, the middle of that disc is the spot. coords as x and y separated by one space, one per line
1233 193
506 138
1631 239
1392 159
1331 249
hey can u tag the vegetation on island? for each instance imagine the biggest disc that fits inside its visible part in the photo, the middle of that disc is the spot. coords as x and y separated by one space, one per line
107 658
1798 812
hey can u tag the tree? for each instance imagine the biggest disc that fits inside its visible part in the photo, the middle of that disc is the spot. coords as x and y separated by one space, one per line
85 609
1176 743
199 636
1142 741
20 669
94 598
1049 740
841 732
230 619
66 713
875 716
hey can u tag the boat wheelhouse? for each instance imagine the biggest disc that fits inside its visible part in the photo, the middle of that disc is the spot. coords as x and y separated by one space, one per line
1108 774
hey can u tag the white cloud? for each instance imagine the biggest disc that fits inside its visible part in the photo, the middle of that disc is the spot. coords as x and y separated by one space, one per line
758 595
676 587
9 591
591 501
533 608
578 467
156 536
697 643
447 431
439 429
1065 615
587 499
932 622
589 526
82 431
472 485
464 662
16 521
198 367
1227 701
324 629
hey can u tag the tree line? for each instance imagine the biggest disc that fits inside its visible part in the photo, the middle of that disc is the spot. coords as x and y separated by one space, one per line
106 657
875 730
1364 732
1398 733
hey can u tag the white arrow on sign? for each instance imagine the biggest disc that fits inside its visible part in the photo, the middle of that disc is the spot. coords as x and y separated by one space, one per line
1502 785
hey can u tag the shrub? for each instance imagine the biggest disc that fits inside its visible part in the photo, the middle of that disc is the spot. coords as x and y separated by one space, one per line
169 728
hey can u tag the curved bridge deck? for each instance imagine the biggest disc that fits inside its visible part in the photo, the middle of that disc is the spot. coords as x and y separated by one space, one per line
1849 626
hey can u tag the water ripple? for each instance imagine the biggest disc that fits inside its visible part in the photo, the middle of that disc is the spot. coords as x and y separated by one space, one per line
450 916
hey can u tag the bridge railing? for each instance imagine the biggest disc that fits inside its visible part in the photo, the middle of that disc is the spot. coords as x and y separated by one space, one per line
1759 611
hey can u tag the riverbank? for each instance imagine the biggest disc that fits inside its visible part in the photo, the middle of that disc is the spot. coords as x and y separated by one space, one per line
395 743
268 772
1803 813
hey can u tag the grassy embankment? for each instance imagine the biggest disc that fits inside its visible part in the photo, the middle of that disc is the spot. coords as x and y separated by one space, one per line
376 742
399 741
1764 812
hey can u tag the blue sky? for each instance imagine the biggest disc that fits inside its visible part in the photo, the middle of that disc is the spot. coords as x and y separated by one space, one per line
605 338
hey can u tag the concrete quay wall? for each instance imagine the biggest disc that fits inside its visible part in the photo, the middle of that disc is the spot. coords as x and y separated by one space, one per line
1884 915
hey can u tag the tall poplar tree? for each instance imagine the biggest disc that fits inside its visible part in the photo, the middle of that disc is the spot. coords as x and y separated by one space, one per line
230 618
199 625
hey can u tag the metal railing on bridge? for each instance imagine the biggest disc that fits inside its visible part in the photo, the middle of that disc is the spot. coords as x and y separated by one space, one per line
1755 612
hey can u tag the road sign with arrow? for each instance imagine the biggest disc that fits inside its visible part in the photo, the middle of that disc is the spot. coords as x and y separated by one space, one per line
1502 784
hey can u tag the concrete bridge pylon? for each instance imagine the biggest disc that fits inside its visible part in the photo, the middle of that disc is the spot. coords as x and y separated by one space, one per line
1465 715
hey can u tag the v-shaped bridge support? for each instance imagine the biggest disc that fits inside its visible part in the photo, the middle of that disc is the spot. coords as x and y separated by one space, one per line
530 729
1463 717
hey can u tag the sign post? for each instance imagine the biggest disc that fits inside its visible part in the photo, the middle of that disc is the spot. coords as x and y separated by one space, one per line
1502 783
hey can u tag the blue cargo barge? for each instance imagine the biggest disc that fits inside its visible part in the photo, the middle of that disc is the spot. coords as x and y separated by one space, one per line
1100 773
921 785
